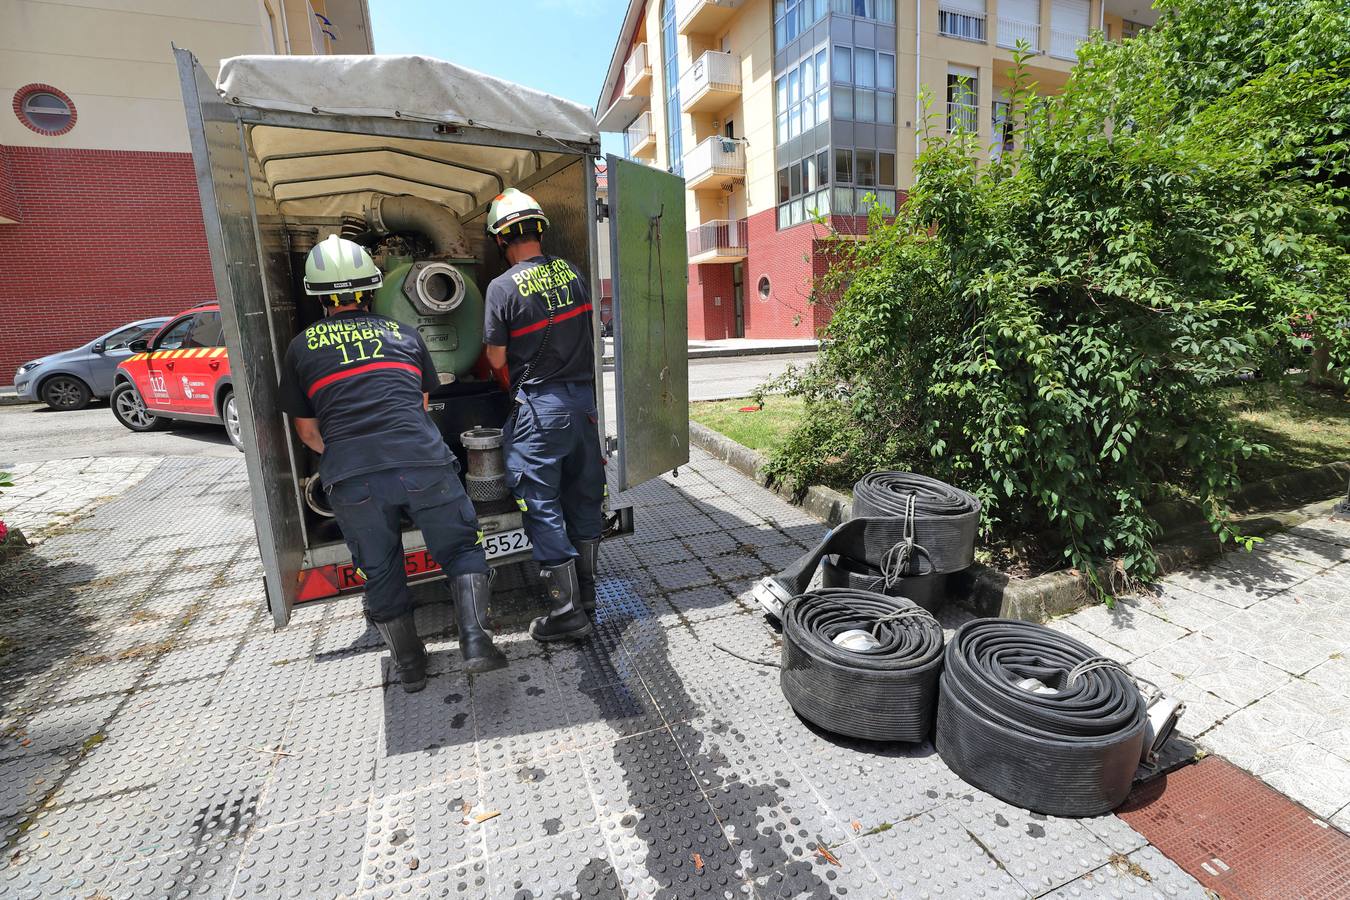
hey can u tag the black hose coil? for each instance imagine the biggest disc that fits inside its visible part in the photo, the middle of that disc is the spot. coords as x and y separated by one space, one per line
1067 749
942 519
927 591
884 694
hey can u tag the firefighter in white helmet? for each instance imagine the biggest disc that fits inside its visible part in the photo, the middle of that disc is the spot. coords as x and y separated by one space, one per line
356 386
539 326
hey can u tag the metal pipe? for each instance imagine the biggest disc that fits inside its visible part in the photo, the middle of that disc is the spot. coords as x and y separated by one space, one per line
391 214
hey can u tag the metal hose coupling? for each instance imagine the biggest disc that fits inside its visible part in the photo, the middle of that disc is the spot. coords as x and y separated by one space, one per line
1038 719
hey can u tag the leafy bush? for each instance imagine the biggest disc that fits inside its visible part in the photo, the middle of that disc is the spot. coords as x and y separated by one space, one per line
1046 329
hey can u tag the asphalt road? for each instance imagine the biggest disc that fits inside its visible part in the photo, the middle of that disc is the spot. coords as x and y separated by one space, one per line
35 433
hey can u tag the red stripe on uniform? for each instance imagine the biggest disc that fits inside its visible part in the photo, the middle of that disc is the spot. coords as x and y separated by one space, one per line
326 380
570 314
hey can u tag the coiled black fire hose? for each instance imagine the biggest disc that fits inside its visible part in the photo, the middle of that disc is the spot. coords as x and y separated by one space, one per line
883 691
1037 719
840 571
903 525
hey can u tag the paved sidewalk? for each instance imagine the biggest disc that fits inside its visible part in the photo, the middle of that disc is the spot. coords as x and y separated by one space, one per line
1256 646
157 739
731 347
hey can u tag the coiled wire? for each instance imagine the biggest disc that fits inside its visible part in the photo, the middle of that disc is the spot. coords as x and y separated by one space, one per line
884 694
1031 716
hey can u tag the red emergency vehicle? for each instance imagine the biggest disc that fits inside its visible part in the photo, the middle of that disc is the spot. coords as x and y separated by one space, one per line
183 372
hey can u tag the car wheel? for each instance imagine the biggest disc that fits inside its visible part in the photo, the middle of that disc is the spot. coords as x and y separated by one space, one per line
229 411
131 411
66 392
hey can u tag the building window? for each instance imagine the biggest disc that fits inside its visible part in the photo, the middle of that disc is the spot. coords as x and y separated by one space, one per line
803 97
44 109
963 99
864 85
863 178
803 189
962 19
764 287
670 47
1002 130
878 10
792 18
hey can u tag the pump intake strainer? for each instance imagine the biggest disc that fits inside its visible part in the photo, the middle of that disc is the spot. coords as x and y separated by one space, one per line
486 478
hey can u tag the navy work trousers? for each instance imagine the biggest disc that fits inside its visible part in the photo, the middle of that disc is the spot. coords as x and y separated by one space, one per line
555 467
368 507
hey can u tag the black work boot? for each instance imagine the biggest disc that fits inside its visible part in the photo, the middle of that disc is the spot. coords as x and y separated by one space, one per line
410 657
472 593
566 620
587 563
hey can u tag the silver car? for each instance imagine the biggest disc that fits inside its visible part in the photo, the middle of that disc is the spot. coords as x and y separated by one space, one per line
70 379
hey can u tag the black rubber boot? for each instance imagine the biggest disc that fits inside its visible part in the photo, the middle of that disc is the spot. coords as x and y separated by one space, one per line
587 563
566 620
410 657
472 593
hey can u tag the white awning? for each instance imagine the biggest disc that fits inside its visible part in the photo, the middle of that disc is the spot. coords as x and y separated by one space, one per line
401 87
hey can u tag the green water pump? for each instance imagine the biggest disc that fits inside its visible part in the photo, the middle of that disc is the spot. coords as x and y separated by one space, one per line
441 300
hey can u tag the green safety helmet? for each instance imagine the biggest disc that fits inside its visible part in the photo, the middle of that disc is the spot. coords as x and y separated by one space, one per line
515 210
340 271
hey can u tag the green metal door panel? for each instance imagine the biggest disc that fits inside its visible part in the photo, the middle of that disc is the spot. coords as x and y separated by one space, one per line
650 269
249 262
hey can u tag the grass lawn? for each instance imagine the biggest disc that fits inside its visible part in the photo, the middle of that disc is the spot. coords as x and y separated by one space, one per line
1302 427
763 430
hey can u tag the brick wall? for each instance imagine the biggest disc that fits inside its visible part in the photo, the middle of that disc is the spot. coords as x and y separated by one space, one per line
787 258
9 194
105 237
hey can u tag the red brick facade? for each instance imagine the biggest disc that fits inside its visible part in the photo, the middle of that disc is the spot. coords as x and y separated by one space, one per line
9 192
103 237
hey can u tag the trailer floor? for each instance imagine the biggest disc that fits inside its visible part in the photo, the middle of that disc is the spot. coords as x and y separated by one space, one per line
157 739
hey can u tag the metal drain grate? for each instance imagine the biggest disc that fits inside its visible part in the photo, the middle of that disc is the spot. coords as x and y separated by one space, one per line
1237 836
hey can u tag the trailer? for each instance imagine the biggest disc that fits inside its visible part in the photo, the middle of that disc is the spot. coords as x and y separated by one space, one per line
404 154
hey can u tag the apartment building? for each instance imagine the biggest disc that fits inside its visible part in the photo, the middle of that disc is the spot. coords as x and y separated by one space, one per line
776 110
99 217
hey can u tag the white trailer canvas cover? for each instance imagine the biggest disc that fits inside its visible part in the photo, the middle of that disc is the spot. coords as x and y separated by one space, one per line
321 172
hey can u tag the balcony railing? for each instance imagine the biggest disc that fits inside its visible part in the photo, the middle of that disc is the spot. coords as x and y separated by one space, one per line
1010 31
962 116
641 136
957 23
713 79
718 239
637 71
714 162
704 16
1064 44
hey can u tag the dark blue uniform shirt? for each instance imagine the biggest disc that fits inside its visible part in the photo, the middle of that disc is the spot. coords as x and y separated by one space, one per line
518 305
362 376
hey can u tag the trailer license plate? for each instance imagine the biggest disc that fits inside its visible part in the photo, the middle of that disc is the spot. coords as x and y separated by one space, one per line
505 543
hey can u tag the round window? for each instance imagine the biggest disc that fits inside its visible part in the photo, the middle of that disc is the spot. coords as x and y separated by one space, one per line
44 109
764 287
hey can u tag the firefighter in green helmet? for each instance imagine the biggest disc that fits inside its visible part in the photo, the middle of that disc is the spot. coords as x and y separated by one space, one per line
356 385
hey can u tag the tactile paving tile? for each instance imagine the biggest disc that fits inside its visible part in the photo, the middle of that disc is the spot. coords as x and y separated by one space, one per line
1059 851
607 712
1237 836
94 681
769 826
935 855
673 849
24 782
58 726
466 880
195 661
316 857
213 622
720 751
1143 873
519 715
575 864
637 771
848 875
421 831
428 737
536 800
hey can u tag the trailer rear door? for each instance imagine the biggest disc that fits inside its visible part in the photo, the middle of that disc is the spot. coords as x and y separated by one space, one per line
650 269
249 266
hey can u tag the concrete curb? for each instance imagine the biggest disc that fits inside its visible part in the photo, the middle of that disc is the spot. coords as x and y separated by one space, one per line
728 353
13 544
13 400
1187 539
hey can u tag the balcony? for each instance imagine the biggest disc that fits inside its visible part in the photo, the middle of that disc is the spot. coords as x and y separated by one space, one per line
704 16
718 241
960 24
713 81
1010 31
637 73
641 137
1064 44
963 117
716 162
